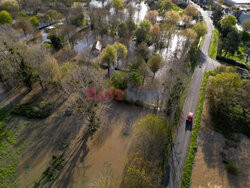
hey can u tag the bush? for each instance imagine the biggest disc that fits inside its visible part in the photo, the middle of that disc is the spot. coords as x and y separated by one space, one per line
5 17
33 110
119 80
232 168
34 21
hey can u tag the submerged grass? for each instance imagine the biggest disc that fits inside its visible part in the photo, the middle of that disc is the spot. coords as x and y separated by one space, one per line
9 151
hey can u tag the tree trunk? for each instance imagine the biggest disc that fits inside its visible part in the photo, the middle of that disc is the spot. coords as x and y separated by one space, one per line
108 71
225 53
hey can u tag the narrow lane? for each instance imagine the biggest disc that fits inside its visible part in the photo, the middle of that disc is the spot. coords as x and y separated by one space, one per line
176 161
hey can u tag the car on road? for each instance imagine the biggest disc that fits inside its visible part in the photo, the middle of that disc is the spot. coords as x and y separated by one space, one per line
189 121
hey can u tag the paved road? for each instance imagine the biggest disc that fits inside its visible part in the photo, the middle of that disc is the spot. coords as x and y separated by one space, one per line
177 156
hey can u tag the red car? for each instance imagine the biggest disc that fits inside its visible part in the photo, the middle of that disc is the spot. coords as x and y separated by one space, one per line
189 120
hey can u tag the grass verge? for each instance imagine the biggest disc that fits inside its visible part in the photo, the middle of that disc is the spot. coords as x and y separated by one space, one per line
214 44
186 177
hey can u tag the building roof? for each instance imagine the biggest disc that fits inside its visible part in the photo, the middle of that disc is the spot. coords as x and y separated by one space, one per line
239 1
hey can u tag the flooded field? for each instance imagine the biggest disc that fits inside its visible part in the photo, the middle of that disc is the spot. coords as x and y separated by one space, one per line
107 150
209 170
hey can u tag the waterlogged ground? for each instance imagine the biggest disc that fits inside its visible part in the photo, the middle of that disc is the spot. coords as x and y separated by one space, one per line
209 171
106 150
85 162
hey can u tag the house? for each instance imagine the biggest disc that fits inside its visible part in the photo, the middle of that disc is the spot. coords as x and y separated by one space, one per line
96 48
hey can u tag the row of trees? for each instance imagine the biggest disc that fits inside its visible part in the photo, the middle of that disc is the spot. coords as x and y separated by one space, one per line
142 166
230 38
228 97
23 65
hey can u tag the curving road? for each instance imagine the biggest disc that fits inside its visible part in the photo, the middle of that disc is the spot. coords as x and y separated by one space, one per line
176 160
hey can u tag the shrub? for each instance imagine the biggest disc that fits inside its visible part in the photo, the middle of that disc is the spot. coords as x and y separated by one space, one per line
5 17
38 110
119 80
34 21
232 168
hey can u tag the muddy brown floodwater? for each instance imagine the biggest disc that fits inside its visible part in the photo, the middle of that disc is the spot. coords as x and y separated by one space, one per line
109 146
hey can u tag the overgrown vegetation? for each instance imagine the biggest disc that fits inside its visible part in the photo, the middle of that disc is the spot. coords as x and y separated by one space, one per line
232 43
10 147
35 110
142 168
213 45
228 99
56 164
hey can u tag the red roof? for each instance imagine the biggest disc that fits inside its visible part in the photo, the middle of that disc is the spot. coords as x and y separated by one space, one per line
190 114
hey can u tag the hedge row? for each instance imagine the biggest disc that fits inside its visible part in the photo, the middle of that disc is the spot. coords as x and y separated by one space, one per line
232 62
186 177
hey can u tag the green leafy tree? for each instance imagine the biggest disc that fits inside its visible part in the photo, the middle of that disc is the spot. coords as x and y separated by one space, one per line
135 79
122 30
118 5
228 99
141 32
5 17
53 15
136 173
56 41
34 21
231 43
154 63
152 131
200 29
172 17
109 56
165 5
143 51
217 15
228 22
121 50
131 25
10 6
119 80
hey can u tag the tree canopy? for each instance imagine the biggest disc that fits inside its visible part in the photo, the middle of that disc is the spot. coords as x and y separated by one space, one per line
142 31
5 17
228 22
